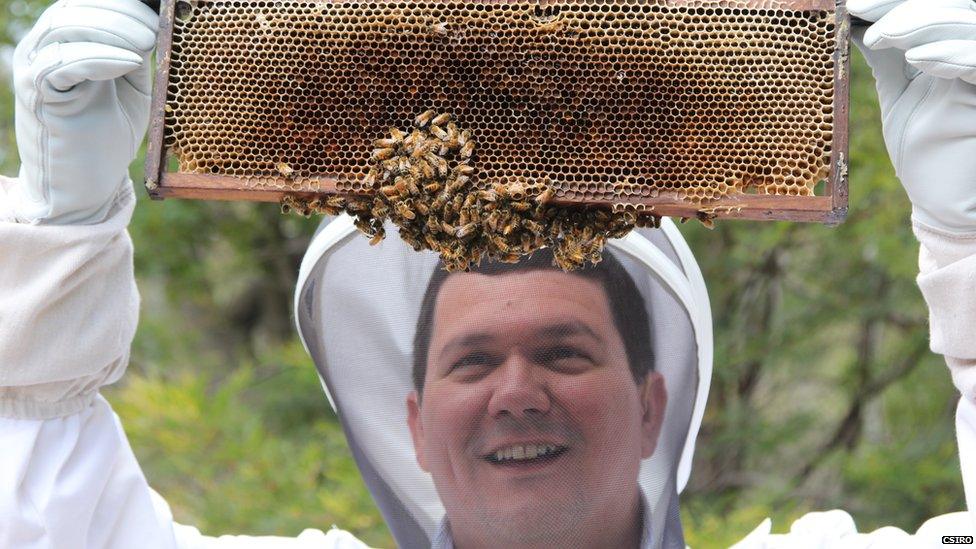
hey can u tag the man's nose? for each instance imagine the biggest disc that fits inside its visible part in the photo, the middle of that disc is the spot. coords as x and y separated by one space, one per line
519 389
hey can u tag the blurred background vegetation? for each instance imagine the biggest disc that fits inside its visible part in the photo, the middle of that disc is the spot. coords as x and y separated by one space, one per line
825 394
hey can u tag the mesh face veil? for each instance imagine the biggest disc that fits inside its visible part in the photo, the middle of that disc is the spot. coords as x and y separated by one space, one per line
539 418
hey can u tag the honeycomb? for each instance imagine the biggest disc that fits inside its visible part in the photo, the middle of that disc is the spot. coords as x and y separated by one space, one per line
609 101
423 185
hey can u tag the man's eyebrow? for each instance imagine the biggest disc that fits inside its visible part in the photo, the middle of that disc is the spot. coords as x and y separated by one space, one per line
466 340
552 331
567 329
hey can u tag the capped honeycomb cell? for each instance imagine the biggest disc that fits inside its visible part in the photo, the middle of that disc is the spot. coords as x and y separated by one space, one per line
734 108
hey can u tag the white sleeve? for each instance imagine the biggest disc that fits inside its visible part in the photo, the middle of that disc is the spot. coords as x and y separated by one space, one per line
68 478
947 278
68 311
73 481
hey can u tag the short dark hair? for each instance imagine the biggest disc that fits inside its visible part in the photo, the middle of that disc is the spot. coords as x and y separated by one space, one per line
624 298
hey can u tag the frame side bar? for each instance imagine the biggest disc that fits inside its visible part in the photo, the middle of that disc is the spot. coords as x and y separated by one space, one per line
840 153
156 152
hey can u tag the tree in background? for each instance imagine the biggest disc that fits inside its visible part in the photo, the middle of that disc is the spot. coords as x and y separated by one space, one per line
824 393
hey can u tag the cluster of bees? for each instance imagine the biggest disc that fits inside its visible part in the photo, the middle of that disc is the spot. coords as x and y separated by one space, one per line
423 183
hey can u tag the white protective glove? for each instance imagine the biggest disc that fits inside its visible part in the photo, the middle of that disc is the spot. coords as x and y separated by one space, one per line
82 82
923 55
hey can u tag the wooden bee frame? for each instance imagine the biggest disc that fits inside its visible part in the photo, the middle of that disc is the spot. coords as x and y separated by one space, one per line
602 167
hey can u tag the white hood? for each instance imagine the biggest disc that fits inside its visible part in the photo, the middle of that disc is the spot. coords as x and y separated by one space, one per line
356 307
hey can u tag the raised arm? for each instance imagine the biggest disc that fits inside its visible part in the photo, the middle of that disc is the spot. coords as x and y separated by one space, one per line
68 299
923 56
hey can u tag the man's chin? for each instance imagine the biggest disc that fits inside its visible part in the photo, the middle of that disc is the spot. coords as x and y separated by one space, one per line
530 521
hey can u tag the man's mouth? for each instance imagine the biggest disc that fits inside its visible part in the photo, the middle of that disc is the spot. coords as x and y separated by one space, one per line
525 453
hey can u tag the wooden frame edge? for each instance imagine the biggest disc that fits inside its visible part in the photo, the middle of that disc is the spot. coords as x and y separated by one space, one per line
155 167
829 209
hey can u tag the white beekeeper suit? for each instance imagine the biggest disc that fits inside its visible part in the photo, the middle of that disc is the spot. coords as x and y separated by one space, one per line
69 305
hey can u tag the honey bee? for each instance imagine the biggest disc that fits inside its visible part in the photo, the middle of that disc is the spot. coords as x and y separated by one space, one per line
439 202
412 187
454 186
533 227
389 191
467 150
419 150
415 138
470 200
510 226
387 143
576 255
457 203
466 231
384 153
380 210
397 134
545 196
464 169
438 132
488 196
422 208
440 29
500 189
432 188
404 210
285 170
378 237
400 184
499 244
390 167
438 163
494 220
450 142
423 119
357 205
441 119
422 170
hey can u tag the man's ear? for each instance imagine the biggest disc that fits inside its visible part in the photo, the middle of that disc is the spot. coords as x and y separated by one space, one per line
416 427
654 400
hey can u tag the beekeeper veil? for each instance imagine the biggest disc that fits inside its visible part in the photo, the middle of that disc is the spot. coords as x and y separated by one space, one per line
516 402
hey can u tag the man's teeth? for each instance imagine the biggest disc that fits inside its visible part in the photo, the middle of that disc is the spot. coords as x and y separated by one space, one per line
528 451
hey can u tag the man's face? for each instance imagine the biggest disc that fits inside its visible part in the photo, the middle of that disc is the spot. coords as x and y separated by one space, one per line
530 416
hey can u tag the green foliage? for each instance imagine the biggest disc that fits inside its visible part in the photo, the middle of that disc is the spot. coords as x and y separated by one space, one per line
256 452
824 393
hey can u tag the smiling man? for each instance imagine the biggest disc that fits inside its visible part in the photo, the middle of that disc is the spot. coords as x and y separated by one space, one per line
535 402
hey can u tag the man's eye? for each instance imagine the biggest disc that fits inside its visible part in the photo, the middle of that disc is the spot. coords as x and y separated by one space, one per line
561 354
473 359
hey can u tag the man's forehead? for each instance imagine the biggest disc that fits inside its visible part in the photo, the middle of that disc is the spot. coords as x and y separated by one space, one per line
540 284
538 299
